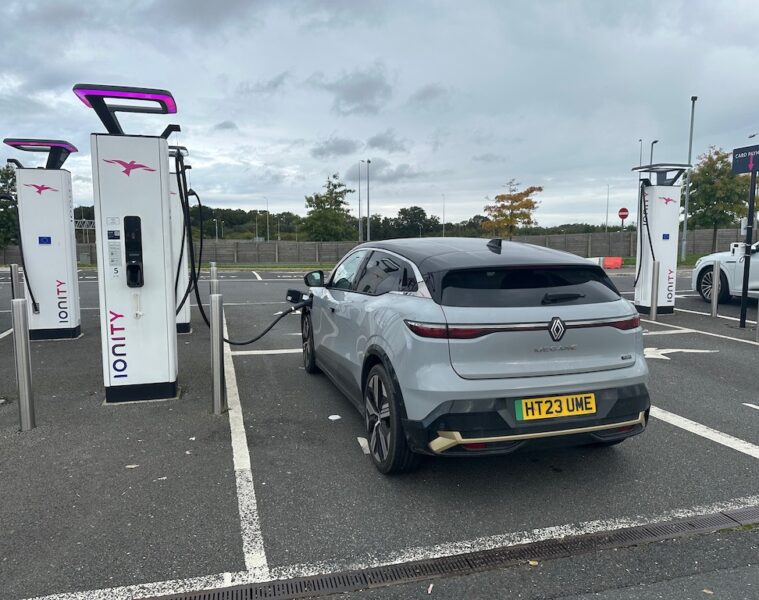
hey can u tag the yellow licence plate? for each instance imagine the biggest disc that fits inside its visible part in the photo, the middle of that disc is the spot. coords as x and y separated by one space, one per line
552 407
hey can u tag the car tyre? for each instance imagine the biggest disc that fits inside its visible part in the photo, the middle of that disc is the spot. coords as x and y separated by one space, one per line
309 353
704 286
382 414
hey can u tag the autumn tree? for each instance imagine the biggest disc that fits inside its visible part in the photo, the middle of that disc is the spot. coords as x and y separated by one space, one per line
328 217
511 210
718 198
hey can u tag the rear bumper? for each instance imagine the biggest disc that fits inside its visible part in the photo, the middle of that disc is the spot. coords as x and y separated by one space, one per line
490 426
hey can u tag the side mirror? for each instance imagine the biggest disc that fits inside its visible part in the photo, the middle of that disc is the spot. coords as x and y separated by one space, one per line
295 296
314 279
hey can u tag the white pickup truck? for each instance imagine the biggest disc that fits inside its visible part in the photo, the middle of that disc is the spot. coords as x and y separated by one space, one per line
731 276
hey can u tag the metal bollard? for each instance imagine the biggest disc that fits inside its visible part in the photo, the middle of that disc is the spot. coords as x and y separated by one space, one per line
716 277
655 291
16 289
214 279
23 364
217 355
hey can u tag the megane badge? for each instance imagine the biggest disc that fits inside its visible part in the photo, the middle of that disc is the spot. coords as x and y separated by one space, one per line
557 329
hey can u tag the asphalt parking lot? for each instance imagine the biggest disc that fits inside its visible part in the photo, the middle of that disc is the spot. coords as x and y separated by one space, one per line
146 499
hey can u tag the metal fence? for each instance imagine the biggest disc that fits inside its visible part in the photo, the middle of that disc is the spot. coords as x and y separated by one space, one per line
294 253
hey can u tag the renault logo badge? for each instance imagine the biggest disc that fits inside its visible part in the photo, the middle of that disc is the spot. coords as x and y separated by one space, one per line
557 329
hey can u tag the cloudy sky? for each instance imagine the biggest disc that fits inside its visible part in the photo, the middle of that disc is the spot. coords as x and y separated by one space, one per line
446 98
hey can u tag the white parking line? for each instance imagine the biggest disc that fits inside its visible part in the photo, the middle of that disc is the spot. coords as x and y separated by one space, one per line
706 314
219 580
706 432
751 405
250 526
669 332
256 275
504 540
6 333
246 303
717 335
266 352
362 441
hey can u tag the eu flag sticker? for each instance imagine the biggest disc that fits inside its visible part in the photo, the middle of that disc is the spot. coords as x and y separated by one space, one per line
665 236
45 240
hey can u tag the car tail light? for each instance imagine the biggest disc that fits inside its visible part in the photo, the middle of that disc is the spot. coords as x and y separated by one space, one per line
626 324
451 332
475 446
428 330
459 332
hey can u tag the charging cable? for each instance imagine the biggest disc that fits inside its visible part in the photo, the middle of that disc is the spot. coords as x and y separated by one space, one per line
192 286
35 306
643 209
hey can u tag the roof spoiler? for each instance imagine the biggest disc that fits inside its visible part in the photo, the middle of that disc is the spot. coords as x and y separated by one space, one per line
494 245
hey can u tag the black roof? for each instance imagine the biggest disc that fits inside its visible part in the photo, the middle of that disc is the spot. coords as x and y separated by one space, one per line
443 254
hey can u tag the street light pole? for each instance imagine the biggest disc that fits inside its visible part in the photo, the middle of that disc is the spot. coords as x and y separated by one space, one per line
279 222
222 229
443 215
368 210
256 224
360 223
606 227
268 238
687 179
651 160
216 230
640 161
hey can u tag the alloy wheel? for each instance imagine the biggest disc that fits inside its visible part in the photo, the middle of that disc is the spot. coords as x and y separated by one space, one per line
378 418
707 285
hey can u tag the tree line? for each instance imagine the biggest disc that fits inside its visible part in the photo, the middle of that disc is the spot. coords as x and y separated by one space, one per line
718 198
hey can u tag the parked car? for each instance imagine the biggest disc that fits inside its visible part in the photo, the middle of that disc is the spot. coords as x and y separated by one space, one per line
468 347
731 273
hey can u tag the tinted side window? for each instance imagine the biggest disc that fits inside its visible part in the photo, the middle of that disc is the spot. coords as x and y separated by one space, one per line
345 273
384 273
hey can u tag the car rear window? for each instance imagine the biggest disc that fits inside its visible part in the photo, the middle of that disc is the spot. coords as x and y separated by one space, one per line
527 286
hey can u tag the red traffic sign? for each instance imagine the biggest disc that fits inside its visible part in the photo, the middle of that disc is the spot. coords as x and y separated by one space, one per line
623 213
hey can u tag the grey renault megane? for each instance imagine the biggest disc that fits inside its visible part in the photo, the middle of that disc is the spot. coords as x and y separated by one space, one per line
458 346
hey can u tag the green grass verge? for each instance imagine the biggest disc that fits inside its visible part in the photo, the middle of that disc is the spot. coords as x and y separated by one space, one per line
690 261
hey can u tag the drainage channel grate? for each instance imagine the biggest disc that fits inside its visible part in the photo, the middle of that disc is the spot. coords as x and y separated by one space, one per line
484 560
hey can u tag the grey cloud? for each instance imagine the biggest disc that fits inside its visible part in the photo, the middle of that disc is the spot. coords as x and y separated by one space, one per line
384 171
489 157
334 146
226 126
427 95
204 15
328 14
438 138
267 86
361 91
388 141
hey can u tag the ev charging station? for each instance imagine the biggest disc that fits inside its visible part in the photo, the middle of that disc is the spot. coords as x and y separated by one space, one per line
179 241
46 224
658 232
134 246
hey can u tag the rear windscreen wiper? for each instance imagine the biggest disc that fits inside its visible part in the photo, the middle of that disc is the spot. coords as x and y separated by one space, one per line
551 298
